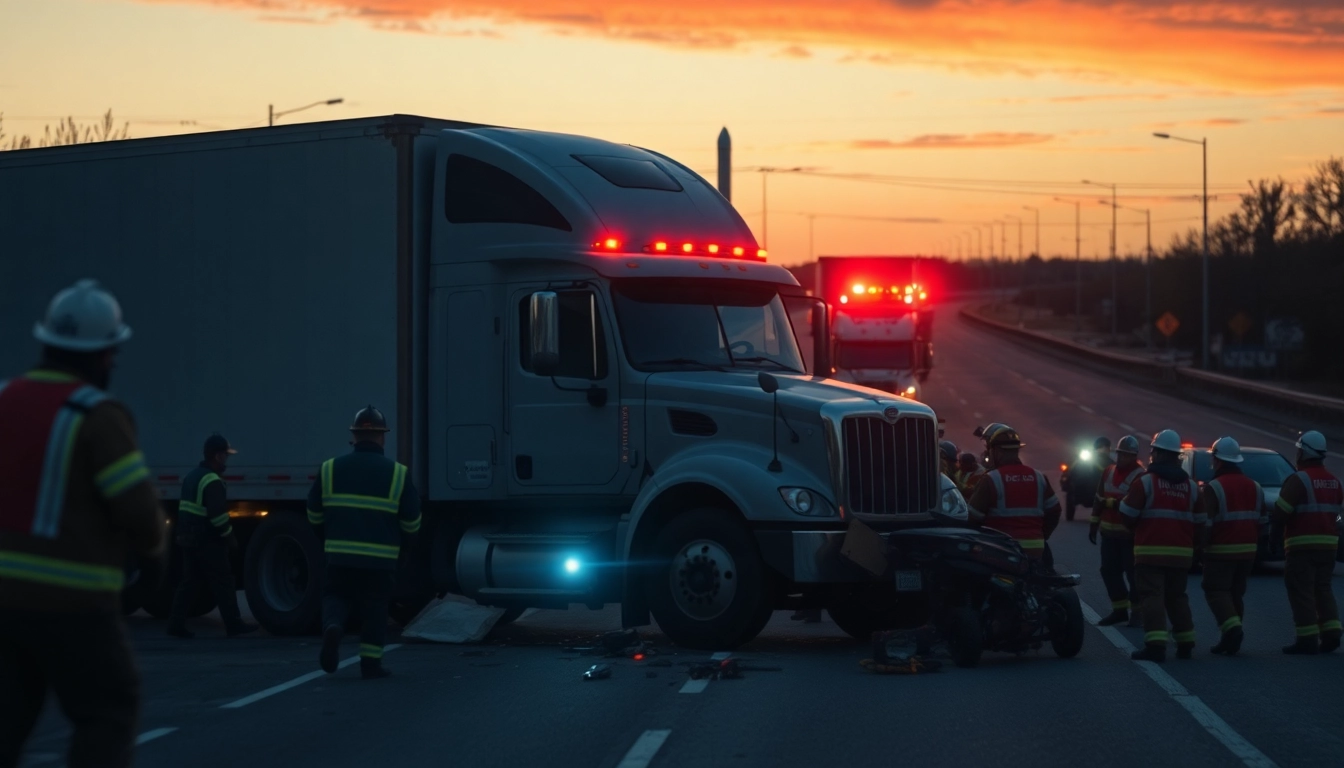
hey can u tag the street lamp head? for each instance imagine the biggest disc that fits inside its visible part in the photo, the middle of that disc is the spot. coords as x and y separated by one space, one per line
335 101
1162 135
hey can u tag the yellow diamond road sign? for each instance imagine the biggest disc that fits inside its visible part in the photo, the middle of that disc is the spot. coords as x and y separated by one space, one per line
1168 324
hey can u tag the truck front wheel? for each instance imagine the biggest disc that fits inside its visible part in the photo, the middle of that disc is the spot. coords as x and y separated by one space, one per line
283 574
711 590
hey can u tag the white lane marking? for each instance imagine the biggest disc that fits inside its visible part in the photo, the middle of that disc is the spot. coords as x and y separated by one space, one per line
296 682
1064 399
152 735
1031 381
695 686
979 415
1125 427
1267 433
1216 726
1046 389
1085 409
963 401
646 746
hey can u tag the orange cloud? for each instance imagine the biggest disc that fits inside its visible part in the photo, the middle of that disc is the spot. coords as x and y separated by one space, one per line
1237 44
954 141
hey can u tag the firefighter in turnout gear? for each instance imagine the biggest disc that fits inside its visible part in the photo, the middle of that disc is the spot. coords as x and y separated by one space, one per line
1308 505
364 506
1013 498
1235 507
1117 542
1162 510
968 474
76 504
206 537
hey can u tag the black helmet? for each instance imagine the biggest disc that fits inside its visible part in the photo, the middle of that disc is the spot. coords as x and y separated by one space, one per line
1102 442
949 451
1001 436
967 460
369 420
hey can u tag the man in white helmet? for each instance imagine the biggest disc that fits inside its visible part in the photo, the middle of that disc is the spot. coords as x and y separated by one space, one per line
76 503
1308 505
1235 507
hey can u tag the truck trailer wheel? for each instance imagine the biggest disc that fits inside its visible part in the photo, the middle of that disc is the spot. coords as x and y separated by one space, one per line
713 591
283 574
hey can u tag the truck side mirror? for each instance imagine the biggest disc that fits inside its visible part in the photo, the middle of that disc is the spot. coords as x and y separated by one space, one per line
544 332
768 384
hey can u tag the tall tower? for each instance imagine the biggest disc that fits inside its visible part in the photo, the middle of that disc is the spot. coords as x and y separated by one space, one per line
726 165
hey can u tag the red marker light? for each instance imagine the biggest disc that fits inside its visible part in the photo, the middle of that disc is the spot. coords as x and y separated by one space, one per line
611 243
909 299
760 253
638 657
687 248
713 248
739 251
660 247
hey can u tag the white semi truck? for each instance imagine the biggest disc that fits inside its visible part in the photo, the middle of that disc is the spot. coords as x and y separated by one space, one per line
587 362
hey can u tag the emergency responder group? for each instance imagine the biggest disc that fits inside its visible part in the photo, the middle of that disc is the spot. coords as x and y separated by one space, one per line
77 505
1156 523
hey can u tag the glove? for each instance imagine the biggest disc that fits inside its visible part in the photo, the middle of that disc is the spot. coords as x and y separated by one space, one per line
1092 533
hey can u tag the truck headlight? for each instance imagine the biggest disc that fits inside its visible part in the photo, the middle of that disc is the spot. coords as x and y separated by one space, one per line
953 505
805 502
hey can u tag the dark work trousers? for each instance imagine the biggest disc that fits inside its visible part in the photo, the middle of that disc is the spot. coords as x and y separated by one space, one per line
1161 593
1117 571
207 564
86 661
368 590
1307 575
1224 588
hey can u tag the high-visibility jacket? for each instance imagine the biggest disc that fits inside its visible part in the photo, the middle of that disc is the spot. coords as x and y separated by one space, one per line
1310 524
1164 517
1115 484
1236 518
203 512
364 503
966 481
75 496
1021 506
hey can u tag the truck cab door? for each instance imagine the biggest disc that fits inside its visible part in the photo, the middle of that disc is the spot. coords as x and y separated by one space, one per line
564 429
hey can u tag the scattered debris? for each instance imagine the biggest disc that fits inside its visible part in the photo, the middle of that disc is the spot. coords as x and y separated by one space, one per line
910 666
902 652
583 650
598 672
616 642
453 620
728 669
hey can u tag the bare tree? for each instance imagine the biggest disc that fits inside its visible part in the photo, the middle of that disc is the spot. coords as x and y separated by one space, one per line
1321 201
69 132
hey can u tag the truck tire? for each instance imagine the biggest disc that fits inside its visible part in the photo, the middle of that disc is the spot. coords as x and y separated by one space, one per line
713 591
283 574
965 637
1066 637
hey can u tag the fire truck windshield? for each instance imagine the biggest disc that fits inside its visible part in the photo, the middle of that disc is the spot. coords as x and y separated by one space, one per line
869 355
687 324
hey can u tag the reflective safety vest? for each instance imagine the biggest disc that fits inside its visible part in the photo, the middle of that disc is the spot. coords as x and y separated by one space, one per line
966 481
42 413
1165 532
361 510
192 516
1019 506
1311 524
1234 527
1115 484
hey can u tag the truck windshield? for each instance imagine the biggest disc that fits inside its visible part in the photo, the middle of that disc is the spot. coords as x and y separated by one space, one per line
689 324
857 356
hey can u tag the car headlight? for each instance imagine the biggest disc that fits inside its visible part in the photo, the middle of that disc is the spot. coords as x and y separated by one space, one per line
954 505
805 502
1085 455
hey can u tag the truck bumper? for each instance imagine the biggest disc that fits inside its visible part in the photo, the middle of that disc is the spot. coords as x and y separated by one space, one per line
810 557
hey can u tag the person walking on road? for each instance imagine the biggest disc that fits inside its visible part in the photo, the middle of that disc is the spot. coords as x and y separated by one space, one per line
1309 503
1013 498
207 538
1117 542
363 505
76 503
1161 509
1235 507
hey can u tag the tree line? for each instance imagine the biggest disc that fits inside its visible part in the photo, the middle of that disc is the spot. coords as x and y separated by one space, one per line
66 132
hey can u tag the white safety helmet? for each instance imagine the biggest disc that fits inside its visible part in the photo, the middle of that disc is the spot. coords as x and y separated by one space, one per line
83 318
1227 449
1312 444
1166 440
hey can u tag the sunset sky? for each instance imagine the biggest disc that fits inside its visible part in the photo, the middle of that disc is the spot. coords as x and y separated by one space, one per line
966 110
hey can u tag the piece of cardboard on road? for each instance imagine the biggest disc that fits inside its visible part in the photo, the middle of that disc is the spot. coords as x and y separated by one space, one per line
453 620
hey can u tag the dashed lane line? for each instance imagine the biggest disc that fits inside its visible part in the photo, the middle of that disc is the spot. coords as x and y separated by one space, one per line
644 749
152 735
697 686
1064 399
1085 409
979 415
296 682
963 401
1125 427
1209 720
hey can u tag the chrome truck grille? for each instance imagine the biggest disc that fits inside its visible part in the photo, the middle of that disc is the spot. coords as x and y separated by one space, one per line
890 468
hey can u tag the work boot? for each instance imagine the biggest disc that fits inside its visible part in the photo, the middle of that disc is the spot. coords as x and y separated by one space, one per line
1117 616
1230 642
1329 643
329 656
1185 651
1305 646
241 628
178 630
1152 652
374 671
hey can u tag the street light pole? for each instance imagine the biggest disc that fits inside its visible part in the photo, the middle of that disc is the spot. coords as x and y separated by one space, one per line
1036 211
1204 198
1115 305
271 114
1077 260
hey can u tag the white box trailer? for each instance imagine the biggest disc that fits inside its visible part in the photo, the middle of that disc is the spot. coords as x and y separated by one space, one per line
569 337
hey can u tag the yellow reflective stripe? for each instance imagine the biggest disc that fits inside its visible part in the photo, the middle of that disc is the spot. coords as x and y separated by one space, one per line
1283 504
1094 519
191 508
1310 631
315 518
226 531
1151 638
371 651
1231 623
1185 637
398 483
326 477
1332 625
122 475
1312 539
219 520
359 502
50 377
60 573
1231 549
411 526
1154 550
389 551
209 478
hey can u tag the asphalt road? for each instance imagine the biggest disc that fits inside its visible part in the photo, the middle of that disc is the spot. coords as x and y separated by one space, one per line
519 699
